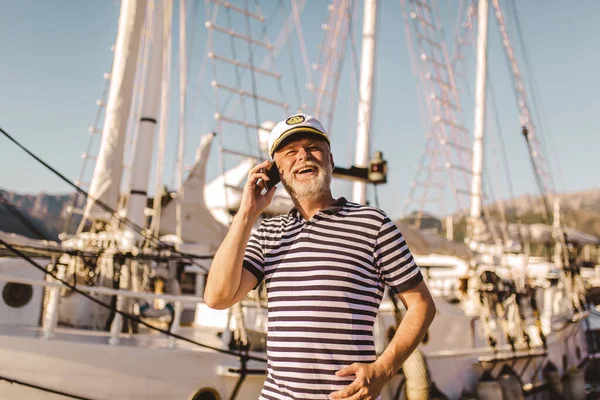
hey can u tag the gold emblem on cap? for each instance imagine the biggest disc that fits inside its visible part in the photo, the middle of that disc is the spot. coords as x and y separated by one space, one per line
296 119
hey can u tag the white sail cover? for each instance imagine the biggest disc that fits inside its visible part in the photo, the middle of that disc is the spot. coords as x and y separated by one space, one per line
222 194
106 181
198 224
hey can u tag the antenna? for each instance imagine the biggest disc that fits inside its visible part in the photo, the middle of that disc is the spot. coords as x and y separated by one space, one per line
525 117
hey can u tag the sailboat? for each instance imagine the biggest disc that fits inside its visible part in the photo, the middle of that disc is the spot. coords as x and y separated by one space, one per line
144 248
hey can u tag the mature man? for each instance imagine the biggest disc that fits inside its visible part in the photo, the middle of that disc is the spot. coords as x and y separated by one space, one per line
324 265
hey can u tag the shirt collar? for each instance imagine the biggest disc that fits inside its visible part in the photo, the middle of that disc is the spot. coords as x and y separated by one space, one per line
332 209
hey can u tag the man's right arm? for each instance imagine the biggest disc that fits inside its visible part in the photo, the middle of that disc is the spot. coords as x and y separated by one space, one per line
228 282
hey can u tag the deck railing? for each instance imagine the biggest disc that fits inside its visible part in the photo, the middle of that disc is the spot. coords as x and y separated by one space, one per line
50 319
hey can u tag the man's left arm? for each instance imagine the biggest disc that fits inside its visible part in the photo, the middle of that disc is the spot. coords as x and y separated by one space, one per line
371 378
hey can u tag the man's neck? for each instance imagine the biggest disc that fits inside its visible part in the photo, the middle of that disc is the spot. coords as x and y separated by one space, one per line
309 207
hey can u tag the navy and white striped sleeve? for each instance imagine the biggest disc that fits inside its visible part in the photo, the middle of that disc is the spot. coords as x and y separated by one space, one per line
394 260
254 260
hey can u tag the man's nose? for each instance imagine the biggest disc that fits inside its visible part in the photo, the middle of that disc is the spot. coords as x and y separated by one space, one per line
304 154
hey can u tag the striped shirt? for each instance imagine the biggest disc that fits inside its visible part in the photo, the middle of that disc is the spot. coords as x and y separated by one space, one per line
325 280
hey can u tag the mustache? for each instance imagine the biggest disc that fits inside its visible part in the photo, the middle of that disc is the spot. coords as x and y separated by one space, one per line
309 164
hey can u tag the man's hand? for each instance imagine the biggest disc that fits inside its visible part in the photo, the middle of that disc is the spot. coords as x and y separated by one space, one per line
253 201
370 380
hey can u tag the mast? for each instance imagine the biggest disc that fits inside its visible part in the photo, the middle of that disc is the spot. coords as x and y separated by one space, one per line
182 101
142 156
367 72
479 123
164 116
106 180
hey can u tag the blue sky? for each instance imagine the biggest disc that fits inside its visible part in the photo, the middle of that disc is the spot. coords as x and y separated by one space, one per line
55 53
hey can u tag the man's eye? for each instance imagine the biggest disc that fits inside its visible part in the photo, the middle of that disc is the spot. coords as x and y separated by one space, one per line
290 153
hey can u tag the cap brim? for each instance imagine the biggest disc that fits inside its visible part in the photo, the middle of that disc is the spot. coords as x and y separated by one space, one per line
296 131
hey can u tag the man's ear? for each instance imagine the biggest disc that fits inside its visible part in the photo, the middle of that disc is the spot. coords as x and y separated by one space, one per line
331 161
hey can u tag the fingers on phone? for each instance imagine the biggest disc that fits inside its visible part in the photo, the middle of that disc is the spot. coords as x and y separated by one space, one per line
261 166
258 169
258 180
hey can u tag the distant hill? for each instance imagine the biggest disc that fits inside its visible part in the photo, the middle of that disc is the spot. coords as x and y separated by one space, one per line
587 200
46 213
580 210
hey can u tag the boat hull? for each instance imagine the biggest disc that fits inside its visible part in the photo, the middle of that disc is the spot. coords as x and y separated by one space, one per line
83 363
88 366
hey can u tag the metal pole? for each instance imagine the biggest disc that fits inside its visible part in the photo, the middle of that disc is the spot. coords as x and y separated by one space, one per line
142 157
182 93
50 320
164 116
479 124
367 72
122 305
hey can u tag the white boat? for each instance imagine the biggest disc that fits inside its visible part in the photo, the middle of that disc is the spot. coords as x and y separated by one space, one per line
58 341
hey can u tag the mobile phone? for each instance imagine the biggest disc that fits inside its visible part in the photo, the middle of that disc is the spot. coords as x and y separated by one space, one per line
273 173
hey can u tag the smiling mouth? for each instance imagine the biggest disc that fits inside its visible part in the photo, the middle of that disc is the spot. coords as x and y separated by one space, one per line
306 170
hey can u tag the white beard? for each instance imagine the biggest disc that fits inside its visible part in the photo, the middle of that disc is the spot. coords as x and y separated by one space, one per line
301 190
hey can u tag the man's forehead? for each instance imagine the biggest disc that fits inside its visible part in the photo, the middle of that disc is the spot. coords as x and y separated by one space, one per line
300 141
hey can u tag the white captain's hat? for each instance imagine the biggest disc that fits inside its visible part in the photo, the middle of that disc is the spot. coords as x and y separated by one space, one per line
296 124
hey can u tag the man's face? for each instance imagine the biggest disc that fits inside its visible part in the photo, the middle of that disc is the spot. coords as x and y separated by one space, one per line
305 166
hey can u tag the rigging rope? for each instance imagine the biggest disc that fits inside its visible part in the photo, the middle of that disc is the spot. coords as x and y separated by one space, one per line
125 315
337 77
511 191
82 254
292 62
268 60
42 388
193 33
270 55
458 25
352 33
98 202
323 61
200 78
546 214
301 42
238 82
525 115
251 62
533 87
354 91
271 18
90 144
